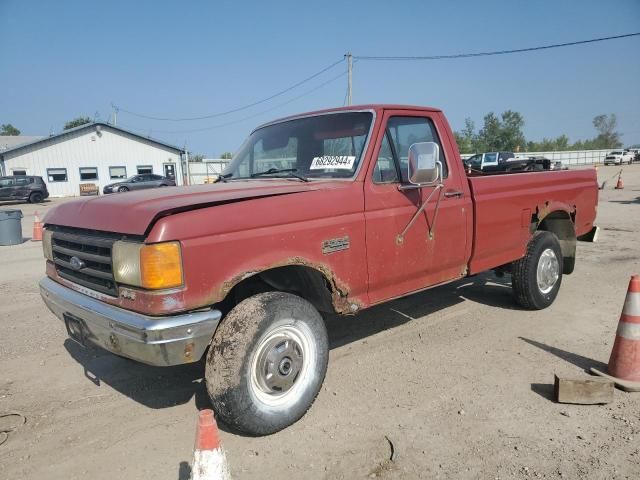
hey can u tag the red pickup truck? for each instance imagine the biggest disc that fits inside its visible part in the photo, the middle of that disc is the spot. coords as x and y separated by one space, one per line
326 212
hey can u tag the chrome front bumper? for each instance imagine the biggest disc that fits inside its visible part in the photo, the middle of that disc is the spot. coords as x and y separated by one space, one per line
160 341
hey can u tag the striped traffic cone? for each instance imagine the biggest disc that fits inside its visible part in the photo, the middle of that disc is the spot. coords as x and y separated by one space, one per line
620 184
624 363
209 460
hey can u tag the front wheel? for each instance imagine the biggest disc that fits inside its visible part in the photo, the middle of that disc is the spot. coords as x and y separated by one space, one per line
267 362
123 189
537 276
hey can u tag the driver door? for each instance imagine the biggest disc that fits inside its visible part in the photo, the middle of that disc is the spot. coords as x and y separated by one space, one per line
402 264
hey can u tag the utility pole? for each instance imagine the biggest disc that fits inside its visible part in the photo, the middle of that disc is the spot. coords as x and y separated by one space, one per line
186 158
350 76
115 115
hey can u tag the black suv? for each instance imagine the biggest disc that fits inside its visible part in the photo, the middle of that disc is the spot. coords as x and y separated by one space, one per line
23 187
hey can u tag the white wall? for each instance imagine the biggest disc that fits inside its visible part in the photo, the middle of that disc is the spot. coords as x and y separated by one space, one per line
89 148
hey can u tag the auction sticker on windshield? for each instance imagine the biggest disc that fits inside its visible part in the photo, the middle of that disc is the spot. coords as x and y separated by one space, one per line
343 162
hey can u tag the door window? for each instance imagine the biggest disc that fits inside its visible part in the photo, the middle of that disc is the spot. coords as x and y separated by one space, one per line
490 158
23 181
385 170
404 132
7 182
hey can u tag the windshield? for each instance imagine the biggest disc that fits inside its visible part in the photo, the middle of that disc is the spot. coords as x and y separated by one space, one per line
323 146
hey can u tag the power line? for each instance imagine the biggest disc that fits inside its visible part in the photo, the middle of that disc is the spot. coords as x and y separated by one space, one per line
212 127
497 52
234 110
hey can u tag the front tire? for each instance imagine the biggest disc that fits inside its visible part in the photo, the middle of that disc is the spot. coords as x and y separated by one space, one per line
123 189
267 362
536 277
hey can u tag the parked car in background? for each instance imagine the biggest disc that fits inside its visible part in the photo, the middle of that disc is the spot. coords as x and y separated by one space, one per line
23 187
635 152
618 157
139 182
507 162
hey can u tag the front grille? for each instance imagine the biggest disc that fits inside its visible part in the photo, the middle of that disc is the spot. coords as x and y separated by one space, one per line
94 249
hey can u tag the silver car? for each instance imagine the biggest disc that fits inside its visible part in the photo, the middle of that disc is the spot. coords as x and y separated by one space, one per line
139 182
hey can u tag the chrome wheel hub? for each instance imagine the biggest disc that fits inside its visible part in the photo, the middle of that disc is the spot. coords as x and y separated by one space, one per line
281 364
548 271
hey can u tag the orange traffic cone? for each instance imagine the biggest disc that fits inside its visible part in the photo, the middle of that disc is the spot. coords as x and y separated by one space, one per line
37 229
624 363
209 460
620 184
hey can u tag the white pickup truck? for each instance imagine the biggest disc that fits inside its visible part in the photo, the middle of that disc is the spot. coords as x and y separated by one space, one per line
618 157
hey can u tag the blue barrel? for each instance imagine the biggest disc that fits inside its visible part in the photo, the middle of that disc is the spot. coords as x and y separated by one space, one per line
10 227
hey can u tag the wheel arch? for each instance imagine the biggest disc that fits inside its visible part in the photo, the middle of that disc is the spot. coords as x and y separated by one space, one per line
560 221
315 283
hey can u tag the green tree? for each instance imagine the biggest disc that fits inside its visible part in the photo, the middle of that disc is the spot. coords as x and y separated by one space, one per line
196 157
226 155
488 139
608 136
511 137
8 129
76 122
466 138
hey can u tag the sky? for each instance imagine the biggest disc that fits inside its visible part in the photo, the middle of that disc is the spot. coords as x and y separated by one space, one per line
175 59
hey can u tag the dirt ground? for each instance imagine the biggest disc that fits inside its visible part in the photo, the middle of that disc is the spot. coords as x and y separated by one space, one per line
457 378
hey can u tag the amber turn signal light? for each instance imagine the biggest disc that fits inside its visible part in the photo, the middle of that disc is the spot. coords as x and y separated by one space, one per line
161 265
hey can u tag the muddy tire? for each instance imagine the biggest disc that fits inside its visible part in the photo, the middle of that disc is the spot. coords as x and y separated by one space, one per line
267 362
537 276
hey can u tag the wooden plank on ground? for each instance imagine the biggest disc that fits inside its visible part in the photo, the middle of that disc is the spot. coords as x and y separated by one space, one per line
584 391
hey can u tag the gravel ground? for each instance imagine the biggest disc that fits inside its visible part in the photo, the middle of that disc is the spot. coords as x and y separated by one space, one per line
457 378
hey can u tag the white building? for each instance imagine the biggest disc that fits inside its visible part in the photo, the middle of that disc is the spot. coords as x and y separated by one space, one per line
95 153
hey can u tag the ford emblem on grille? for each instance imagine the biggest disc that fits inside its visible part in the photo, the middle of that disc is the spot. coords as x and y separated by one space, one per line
76 263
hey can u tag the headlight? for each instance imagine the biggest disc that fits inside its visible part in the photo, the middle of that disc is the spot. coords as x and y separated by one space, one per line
154 266
46 244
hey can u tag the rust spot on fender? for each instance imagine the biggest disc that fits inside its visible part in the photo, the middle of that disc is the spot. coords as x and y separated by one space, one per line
339 289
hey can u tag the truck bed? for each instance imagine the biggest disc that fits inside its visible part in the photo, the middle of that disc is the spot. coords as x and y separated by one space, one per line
503 201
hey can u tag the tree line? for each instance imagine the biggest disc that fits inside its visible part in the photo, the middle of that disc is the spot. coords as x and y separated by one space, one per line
504 133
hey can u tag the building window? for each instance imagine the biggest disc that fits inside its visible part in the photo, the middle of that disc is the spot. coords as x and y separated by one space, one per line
118 172
57 174
144 169
19 173
88 173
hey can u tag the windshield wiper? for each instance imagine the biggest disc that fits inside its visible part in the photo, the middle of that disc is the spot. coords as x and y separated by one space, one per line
290 171
223 178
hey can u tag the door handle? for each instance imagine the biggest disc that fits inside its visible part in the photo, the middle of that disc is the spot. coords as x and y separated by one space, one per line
453 193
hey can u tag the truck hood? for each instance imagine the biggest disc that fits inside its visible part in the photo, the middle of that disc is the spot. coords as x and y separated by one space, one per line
132 213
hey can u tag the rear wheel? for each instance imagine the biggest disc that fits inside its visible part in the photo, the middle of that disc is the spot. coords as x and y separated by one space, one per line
35 197
267 362
537 276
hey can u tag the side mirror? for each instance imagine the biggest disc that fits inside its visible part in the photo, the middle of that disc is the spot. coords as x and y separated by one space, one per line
423 163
